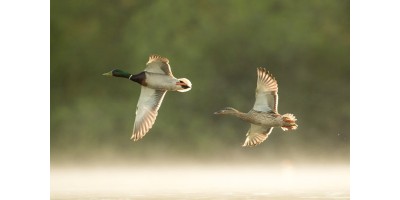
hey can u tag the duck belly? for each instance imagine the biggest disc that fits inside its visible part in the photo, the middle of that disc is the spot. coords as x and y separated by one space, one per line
266 119
161 82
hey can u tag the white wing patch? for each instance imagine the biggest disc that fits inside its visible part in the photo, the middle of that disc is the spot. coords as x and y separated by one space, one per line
146 112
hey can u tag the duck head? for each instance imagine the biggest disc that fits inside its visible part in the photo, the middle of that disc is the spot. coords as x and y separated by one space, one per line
226 111
117 73
185 84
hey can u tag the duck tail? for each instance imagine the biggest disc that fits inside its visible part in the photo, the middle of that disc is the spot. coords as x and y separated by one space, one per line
289 122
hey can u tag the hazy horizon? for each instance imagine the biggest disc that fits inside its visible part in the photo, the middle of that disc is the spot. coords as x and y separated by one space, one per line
218 46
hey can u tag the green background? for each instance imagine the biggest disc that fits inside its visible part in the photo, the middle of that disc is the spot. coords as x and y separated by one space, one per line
217 45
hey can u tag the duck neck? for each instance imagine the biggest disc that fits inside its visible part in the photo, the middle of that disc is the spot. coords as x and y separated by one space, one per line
240 115
138 78
244 116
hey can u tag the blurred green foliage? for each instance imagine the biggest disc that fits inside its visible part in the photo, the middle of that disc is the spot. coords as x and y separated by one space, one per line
217 45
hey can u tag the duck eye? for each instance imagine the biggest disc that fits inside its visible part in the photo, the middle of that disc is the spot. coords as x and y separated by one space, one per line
181 81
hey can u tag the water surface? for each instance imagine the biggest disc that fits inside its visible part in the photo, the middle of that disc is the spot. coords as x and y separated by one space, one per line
201 182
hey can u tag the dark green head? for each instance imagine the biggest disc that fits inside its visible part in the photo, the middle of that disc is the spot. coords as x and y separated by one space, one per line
118 73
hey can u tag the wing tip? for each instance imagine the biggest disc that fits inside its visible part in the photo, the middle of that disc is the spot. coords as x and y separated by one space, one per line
155 57
136 136
254 139
266 78
141 132
249 144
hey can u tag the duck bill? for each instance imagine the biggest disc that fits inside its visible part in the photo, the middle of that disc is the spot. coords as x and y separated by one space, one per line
217 113
108 74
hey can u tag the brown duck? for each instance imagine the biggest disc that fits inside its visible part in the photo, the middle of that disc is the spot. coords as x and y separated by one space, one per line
264 116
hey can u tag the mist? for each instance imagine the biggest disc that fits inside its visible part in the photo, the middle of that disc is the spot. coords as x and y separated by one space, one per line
190 152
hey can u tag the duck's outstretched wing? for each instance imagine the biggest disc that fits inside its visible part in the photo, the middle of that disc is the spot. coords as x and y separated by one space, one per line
266 92
256 135
158 64
146 111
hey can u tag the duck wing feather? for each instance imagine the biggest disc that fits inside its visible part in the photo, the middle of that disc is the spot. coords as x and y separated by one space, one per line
158 64
266 92
256 135
146 111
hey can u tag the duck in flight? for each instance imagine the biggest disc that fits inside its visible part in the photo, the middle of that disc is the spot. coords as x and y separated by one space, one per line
264 116
156 80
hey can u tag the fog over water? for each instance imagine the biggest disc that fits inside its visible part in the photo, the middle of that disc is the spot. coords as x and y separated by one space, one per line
201 181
